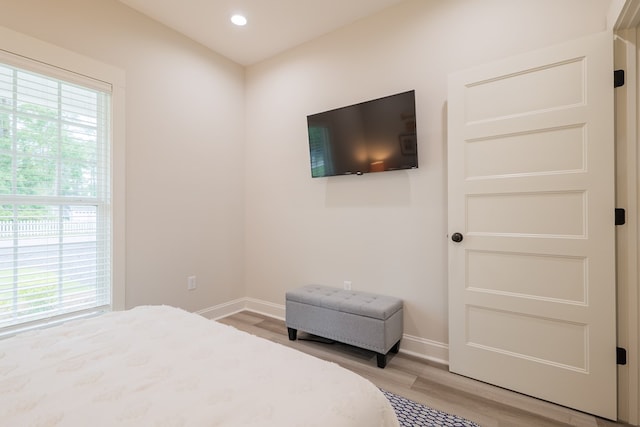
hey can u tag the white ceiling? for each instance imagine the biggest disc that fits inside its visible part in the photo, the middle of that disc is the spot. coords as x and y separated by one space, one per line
274 25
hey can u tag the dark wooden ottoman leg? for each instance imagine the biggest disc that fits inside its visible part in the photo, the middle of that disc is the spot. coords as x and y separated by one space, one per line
395 348
382 360
293 333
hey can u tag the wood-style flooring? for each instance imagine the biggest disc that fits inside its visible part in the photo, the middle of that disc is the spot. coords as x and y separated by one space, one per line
428 383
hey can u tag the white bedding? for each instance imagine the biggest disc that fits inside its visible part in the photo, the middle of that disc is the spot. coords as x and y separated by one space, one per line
161 366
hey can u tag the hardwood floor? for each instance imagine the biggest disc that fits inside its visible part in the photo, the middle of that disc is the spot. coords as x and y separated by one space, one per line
427 383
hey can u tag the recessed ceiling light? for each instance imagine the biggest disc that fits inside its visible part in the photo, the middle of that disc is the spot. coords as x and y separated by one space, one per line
239 20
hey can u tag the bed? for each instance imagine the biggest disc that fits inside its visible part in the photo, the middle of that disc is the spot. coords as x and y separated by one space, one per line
162 366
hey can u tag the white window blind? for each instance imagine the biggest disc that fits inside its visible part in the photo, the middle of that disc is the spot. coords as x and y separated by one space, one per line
55 210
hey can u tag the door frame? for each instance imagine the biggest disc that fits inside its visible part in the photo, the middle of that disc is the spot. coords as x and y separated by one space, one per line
624 19
627 235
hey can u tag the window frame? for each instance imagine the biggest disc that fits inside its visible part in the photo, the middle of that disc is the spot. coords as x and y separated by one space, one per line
27 52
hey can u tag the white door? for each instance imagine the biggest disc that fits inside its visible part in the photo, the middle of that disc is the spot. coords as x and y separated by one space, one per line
531 191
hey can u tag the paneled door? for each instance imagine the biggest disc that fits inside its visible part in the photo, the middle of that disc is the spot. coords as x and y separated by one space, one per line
531 224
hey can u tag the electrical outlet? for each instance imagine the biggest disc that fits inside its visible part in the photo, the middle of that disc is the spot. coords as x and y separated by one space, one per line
347 285
191 283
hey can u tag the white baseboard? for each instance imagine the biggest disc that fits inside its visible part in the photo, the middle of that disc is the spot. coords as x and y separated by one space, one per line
414 346
223 310
267 308
425 349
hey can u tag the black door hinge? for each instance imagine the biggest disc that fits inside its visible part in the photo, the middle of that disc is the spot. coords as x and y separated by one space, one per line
621 356
620 216
618 78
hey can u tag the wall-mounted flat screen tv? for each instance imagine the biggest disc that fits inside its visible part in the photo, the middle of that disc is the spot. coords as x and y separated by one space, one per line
373 136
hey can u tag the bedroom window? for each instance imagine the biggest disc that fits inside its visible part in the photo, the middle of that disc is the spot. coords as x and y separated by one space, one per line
55 198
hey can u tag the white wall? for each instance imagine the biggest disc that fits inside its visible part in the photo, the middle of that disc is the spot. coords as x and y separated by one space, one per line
184 152
191 209
385 232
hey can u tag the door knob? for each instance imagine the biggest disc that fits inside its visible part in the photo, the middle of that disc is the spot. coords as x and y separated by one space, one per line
457 237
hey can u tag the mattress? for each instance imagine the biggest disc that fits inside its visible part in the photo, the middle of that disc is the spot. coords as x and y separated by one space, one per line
162 366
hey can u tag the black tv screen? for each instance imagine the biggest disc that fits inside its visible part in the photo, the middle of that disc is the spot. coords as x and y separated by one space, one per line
372 136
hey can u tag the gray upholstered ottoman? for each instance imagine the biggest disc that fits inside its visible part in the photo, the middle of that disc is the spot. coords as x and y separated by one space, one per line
362 319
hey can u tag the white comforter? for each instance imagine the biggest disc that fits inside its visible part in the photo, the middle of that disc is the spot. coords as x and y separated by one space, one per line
161 366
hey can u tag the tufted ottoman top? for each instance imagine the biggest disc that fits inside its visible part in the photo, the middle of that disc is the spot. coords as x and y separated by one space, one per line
354 302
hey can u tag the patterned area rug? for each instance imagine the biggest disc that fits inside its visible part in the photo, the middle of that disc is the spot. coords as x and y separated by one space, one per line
412 414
